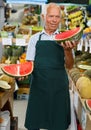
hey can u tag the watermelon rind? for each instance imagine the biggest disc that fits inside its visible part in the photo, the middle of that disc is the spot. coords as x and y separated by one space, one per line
88 106
74 37
17 74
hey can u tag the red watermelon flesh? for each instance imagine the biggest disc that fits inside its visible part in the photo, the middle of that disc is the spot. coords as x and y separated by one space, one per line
18 70
88 104
74 34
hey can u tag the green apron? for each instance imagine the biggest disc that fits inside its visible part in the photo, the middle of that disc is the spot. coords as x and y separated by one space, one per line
49 101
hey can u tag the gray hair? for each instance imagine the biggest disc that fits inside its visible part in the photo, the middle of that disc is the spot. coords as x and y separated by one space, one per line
50 5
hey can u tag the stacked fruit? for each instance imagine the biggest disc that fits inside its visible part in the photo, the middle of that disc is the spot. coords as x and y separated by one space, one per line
30 19
22 58
11 54
75 16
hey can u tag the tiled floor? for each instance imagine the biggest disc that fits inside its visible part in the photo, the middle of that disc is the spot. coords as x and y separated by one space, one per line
20 111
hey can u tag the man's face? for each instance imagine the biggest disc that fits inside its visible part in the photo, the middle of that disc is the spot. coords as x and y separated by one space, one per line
52 19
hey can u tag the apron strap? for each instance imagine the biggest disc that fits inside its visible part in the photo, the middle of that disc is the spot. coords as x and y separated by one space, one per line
40 36
43 33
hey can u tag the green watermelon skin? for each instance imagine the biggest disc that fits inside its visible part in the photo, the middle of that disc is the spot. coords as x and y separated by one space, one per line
18 70
88 104
69 35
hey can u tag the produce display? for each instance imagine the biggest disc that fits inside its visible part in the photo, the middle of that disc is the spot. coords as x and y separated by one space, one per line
71 35
87 73
23 31
81 74
76 16
18 70
84 67
75 74
30 19
82 60
9 28
11 54
73 16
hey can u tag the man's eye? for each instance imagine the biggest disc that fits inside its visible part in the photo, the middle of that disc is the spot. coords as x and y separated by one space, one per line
57 16
50 16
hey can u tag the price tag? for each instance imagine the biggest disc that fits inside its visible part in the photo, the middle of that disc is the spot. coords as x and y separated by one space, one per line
20 42
7 41
83 119
76 98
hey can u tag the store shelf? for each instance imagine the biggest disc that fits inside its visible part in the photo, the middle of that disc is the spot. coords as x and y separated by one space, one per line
82 113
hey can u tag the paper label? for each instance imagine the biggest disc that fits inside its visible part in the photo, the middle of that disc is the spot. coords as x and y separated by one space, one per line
6 41
20 42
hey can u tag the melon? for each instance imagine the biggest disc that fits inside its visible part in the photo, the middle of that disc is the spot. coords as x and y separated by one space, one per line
18 70
83 85
69 35
88 104
4 85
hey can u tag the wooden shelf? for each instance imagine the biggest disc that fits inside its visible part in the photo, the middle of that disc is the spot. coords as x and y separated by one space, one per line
6 99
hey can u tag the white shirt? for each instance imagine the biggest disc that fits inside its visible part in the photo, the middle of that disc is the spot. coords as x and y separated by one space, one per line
31 49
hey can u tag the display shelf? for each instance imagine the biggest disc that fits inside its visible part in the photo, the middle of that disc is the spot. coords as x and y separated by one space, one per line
82 113
6 99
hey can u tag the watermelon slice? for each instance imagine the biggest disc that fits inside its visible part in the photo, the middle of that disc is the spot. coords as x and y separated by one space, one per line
69 35
18 70
88 104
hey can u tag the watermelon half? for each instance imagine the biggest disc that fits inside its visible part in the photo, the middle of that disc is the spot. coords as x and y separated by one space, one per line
69 35
18 70
88 104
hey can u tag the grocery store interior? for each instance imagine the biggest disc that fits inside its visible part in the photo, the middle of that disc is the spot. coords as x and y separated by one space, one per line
19 19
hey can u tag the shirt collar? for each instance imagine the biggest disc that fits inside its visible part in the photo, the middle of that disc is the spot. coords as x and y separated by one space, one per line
44 32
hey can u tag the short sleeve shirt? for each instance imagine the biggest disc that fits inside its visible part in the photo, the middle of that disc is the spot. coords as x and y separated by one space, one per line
31 49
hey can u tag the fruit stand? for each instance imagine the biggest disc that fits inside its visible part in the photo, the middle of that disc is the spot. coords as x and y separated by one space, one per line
82 113
15 40
6 99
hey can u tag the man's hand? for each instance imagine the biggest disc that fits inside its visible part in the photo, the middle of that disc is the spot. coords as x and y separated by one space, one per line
22 78
68 45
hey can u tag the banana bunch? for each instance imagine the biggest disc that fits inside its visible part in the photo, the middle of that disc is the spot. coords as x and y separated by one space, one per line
75 14
75 18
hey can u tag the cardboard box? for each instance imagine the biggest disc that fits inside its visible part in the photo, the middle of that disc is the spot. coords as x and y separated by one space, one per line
23 90
23 93
22 96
